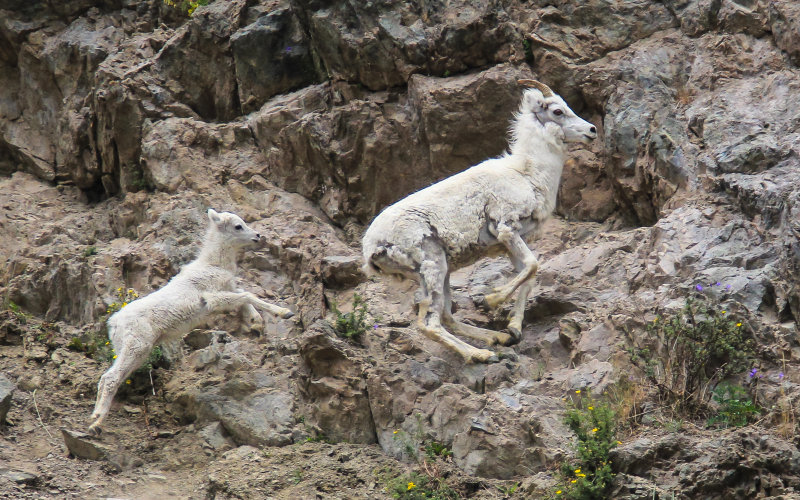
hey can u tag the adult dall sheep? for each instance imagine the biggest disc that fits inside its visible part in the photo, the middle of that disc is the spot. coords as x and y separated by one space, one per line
468 215
203 287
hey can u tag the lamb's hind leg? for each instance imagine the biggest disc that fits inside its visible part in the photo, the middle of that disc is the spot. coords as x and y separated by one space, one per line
433 272
516 245
230 301
489 337
129 358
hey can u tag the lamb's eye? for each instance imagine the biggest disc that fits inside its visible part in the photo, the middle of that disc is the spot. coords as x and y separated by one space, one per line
558 112
238 227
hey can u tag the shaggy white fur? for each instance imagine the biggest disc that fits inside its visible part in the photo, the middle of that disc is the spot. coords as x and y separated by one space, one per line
480 210
203 287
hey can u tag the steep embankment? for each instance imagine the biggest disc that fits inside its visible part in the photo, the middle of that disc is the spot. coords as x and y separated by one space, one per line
122 121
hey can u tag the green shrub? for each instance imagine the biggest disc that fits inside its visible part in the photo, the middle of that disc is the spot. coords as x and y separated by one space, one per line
736 408
351 325
589 475
686 353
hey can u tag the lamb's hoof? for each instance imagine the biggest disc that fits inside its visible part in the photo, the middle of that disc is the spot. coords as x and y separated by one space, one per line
288 314
94 430
516 335
494 358
495 299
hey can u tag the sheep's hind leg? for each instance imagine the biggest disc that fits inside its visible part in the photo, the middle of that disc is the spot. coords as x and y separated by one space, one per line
489 337
518 311
516 245
432 274
128 360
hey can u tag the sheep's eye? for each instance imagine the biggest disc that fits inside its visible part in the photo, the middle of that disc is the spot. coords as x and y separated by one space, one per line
238 227
558 112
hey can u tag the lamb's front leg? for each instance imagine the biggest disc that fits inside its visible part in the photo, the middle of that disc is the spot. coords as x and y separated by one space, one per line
229 301
520 251
251 318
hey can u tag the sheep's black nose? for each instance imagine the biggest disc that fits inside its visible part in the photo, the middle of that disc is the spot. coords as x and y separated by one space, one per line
258 235
592 129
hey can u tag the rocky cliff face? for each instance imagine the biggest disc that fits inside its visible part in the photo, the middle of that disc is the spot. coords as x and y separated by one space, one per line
122 121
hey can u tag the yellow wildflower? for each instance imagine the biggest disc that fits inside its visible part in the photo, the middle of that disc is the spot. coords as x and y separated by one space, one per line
128 381
115 357
738 324
119 289
107 342
619 442
578 391
411 486
124 304
574 481
558 492
396 431
591 407
594 430
577 471
581 475
723 312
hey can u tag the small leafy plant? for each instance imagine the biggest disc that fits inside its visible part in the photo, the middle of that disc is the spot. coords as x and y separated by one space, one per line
589 476
736 409
417 486
186 6
352 325
686 353
429 480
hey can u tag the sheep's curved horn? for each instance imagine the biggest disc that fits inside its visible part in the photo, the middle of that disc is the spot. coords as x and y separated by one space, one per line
546 91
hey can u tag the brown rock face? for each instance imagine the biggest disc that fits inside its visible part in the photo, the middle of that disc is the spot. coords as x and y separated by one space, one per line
122 122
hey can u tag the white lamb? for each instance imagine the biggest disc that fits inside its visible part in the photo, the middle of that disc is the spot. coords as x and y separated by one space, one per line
203 287
469 215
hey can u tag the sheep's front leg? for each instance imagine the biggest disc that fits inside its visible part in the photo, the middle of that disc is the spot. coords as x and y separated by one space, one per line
229 301
520 251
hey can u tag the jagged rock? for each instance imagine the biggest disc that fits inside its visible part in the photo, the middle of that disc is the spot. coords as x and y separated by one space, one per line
334 388
340 271
20 477
7 388
82 445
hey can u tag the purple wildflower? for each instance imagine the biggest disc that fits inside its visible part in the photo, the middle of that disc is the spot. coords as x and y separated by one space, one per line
375 326
288 50
717 284
699 288
728 287
752 372
780 376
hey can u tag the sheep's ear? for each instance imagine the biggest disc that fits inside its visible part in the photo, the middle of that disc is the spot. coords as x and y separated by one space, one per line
213 216
534 101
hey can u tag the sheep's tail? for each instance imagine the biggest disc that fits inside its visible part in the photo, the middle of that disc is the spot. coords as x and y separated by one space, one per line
369 268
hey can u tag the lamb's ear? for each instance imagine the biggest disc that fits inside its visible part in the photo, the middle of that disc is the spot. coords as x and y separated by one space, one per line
213 216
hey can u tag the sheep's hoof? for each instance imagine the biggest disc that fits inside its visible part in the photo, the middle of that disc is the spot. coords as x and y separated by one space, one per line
495 299
516 335
94 430
484 356
502 338
288 314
